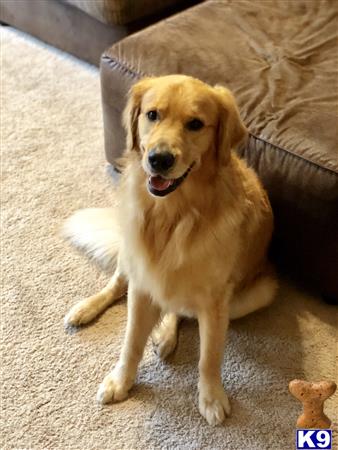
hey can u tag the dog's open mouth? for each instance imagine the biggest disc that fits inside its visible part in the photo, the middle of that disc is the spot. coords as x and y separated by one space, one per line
160 186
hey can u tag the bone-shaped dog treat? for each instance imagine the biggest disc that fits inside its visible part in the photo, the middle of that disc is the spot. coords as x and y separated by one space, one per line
312 395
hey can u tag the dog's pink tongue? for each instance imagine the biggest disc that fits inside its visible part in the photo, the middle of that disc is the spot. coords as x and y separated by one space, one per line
159 183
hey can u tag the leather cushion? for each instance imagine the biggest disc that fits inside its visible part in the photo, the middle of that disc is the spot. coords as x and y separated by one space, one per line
63 26
122 12
280 59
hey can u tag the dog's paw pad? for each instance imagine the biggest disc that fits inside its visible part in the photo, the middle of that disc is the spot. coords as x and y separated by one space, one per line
111 390
214 408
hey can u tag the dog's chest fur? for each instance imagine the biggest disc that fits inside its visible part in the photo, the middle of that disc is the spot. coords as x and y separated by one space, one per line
174 255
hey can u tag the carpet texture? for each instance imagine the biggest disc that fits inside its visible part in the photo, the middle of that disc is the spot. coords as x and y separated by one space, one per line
52 164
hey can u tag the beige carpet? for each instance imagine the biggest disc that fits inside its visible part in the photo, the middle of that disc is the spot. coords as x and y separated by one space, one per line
53 164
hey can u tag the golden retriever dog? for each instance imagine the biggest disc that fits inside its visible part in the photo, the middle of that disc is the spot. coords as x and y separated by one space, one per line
189 232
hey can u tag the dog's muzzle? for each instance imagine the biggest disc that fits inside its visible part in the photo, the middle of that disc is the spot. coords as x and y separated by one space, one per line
160 186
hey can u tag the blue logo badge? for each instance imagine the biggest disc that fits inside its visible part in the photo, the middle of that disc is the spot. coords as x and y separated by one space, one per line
314 439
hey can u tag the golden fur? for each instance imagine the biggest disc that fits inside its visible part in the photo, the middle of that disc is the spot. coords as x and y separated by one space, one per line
201 250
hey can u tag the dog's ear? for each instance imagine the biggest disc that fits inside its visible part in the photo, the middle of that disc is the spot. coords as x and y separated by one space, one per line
132 112
231 130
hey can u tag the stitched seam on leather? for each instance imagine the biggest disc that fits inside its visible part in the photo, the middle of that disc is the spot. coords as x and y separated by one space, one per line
123 67
290 152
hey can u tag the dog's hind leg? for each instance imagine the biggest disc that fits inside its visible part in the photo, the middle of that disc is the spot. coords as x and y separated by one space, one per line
165 335
259 294
86 310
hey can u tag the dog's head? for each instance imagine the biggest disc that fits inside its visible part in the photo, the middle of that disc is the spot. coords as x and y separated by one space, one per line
178 124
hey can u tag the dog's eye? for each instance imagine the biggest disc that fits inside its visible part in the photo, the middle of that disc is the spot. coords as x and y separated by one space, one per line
152 115
195 125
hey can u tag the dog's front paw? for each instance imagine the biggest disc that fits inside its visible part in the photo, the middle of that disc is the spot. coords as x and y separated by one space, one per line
214 405
80 314
114 388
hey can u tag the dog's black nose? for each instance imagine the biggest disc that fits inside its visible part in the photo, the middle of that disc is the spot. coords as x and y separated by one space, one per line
161 161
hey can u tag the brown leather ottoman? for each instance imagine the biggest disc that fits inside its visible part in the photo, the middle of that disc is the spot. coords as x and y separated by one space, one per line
280 58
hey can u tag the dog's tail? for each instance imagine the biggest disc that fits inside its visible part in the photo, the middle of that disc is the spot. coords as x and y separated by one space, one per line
95 231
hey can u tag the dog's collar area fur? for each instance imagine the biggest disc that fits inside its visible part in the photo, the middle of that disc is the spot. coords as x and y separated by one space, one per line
174 183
